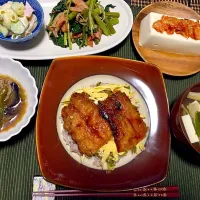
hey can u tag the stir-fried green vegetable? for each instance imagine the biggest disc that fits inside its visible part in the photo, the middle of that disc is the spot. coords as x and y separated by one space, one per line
81 22
114 21
107 8
60 7
59 40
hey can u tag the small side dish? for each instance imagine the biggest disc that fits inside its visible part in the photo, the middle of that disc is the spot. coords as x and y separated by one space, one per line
18 98
102 123
81 22
191 117
170 34
13 102
17 20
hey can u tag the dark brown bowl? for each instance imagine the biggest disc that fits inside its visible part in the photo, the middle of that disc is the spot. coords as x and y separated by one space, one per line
176 122
57 166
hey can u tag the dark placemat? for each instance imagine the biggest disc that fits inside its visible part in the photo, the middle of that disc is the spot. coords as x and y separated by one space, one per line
18 159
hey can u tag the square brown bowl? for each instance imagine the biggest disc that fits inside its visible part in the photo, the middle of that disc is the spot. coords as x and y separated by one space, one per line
147 168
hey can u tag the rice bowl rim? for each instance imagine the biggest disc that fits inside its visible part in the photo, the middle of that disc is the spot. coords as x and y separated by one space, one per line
89 82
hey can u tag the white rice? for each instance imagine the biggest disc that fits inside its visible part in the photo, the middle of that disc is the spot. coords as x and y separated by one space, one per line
97 162
70 142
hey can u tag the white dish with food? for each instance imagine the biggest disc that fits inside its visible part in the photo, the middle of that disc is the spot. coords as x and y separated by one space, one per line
20 21
41 47
87 85
18 98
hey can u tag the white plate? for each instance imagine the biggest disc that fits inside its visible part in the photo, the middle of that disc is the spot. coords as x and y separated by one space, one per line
15 70
87 82
41 48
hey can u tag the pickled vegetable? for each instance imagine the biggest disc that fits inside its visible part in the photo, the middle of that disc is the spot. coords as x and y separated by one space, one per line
12 15
3 30
17 20
17 28
24 21
6 21
18 8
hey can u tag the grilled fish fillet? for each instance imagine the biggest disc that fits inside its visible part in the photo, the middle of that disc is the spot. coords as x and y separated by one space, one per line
127 125
84 123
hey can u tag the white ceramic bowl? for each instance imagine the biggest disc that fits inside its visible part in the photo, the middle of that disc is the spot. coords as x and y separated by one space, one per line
15 70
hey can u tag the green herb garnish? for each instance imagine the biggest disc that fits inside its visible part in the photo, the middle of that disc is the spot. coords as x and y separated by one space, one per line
111 162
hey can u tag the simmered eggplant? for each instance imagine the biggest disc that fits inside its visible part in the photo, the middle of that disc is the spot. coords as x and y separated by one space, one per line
12 102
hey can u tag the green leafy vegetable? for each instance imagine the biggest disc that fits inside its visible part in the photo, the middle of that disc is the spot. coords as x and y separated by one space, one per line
76 28
60 7
96 41
79 42
86 21
107 8
95 30
59 41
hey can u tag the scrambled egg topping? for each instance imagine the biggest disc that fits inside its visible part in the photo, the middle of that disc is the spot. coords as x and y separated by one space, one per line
101 92
107 149
111 149
140 147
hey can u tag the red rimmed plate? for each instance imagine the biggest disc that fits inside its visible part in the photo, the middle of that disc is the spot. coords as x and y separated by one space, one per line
147 168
